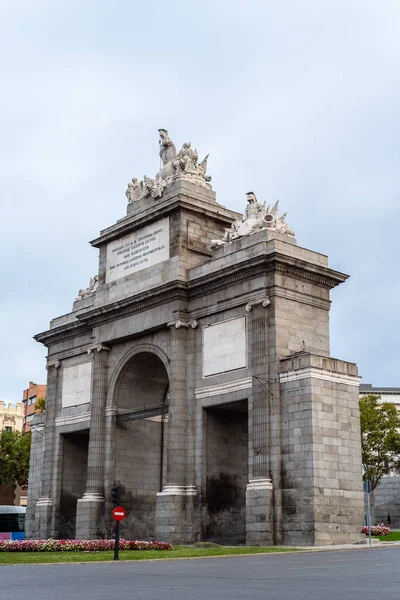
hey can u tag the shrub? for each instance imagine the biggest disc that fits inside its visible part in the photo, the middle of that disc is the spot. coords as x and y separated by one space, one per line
377 530
78 545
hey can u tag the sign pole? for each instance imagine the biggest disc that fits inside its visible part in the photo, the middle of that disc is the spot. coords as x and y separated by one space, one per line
118 515
368 490
116 545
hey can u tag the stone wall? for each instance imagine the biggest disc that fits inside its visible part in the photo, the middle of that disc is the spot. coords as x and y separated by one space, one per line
387 501
73 484
138 456
321 450
226 475
35 476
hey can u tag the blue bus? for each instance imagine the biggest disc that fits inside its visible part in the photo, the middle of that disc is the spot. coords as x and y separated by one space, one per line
12 522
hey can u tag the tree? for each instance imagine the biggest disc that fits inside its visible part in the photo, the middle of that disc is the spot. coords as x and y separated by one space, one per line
40 406
380 438
15 450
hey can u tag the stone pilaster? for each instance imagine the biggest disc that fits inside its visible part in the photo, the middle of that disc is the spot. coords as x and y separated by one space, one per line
90 508
259 518
176 503
44 505
259 492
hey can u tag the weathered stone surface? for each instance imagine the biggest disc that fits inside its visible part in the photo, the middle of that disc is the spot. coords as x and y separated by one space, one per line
250 434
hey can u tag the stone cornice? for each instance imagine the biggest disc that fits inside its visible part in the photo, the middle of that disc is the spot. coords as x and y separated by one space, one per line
61 333
163 209
176 290
262 264
70 353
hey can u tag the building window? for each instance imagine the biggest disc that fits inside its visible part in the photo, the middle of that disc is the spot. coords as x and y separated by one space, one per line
7 428
32 400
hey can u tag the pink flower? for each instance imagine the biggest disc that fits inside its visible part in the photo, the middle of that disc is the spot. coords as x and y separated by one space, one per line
79 545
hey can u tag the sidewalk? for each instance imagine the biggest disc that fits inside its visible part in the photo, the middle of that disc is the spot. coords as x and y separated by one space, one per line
353 546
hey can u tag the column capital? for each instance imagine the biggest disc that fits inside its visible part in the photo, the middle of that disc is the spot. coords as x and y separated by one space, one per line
183 323
265 302
54 363
98 348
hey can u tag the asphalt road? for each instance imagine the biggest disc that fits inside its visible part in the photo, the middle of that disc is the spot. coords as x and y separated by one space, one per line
349 575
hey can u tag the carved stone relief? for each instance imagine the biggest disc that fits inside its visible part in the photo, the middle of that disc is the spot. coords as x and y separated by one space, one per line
256 217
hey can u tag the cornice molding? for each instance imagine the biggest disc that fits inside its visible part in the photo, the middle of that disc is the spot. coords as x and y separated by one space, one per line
72 419
69 353
62 332
180 199
263 264
128 306
266 264
320 374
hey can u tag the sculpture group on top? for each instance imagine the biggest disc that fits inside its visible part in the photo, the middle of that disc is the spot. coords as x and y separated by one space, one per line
175 165
256 217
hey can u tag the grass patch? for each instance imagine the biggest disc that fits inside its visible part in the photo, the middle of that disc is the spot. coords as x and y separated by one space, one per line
19 558
393 537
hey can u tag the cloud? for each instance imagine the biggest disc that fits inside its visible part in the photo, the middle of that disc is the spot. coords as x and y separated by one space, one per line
295 102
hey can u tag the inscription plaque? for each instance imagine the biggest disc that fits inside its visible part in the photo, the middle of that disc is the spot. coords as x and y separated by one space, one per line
138 250
224 347
77 384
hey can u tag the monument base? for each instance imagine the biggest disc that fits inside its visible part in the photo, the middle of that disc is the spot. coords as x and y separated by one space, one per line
43 518
90 524
259 527
176 515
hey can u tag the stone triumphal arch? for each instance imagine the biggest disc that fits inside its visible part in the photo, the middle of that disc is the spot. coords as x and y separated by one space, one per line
195 372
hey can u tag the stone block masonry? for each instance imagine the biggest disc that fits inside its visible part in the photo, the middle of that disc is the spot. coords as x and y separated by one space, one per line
321 450
195 373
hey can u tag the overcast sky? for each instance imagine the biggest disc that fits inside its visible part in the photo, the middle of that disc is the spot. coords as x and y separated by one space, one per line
296 100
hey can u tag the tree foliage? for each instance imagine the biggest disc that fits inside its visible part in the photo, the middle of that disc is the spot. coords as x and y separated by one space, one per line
380 438
40 406
15 449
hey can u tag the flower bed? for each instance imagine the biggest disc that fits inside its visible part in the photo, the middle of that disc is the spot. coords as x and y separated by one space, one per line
78 545
377 530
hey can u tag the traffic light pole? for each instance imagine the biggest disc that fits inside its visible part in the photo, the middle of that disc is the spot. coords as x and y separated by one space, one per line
116 545
369 519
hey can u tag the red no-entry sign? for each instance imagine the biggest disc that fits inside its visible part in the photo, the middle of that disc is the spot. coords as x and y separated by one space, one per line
119 513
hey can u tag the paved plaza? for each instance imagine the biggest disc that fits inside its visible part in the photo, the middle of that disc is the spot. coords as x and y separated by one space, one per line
340 575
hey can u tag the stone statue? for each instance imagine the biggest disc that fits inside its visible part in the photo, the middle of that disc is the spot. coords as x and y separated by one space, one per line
202 168
157 188
147 186
93 284
283 227
175 166
167 147
186 159
256 217
253 216
229 235
134 191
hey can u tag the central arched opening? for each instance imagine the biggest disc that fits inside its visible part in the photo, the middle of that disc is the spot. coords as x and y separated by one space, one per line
141 397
